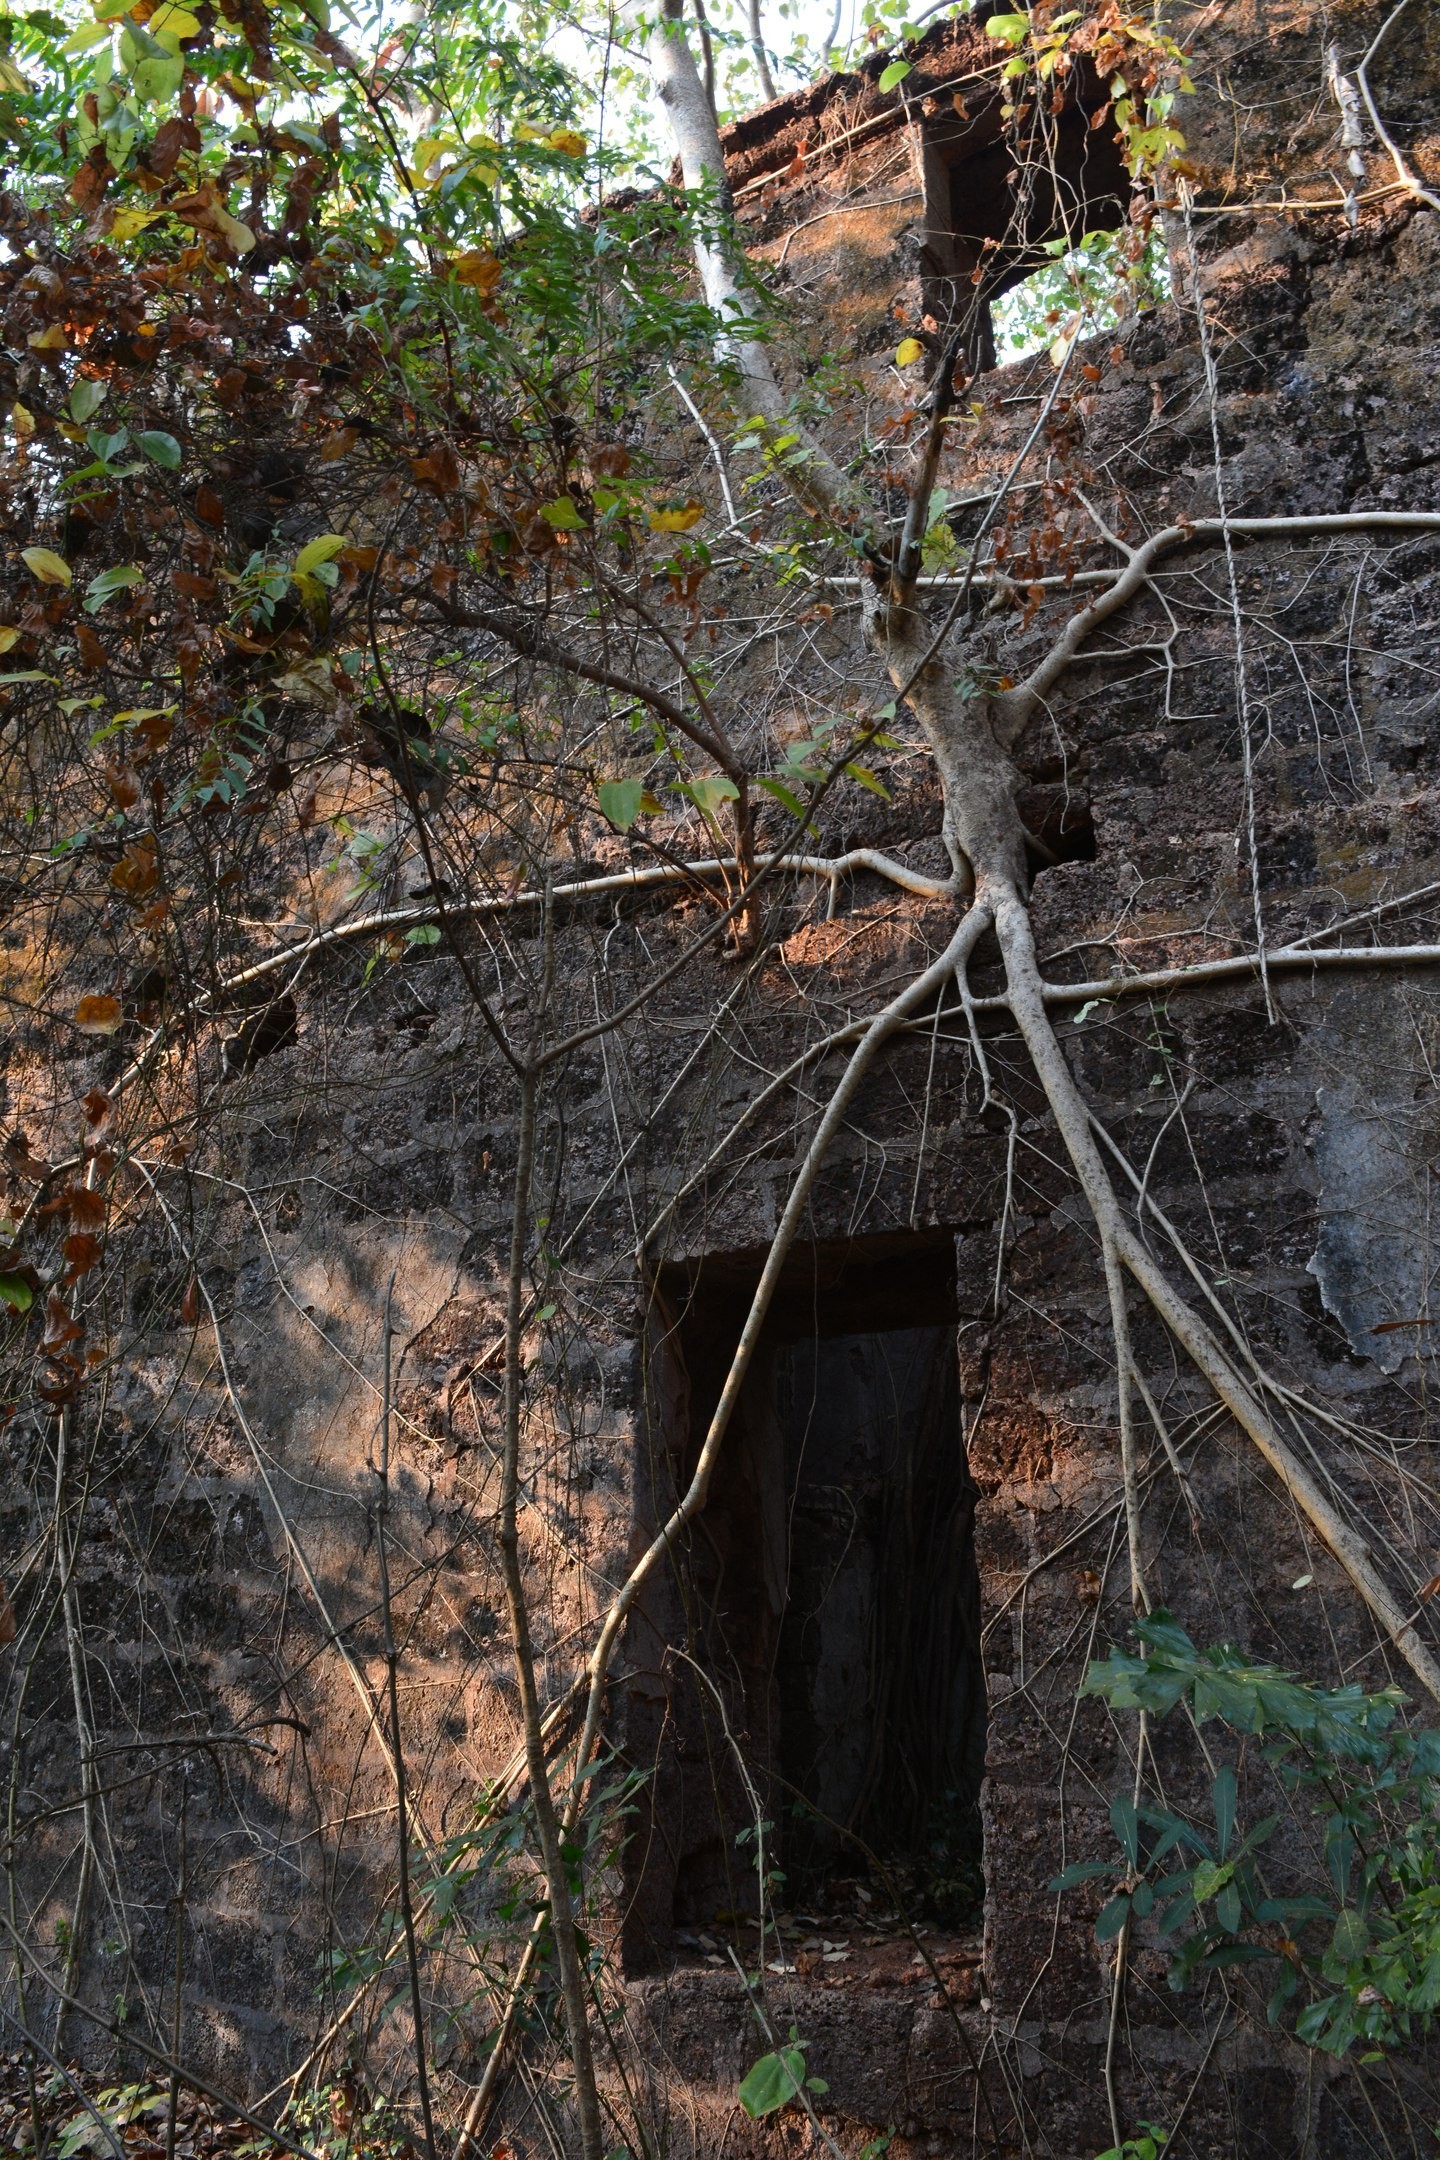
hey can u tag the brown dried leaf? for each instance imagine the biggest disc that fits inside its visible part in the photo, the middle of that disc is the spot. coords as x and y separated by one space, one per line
7 1617
86 1206
137 871
61 1326
82 1251
152 735
438 470
20 1162
91 179
124 785
176 136
59 1389
98 1014
97 1107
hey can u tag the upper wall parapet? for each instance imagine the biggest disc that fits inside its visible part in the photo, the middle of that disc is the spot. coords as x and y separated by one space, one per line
989 210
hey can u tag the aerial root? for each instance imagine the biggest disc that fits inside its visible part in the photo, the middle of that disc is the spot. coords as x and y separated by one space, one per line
1205 1352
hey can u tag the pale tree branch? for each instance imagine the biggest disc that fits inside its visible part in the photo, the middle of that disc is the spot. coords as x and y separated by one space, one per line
757 47
1014 708
1403 173
814 477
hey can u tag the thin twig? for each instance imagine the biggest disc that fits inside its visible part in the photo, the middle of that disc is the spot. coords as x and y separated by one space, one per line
397 1749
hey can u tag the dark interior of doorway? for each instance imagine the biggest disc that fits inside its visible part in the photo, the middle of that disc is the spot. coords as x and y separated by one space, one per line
830 1591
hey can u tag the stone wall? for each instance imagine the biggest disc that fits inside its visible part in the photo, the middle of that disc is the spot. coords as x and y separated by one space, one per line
221 1632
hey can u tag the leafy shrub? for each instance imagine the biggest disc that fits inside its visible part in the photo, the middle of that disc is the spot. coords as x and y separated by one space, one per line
1365 1955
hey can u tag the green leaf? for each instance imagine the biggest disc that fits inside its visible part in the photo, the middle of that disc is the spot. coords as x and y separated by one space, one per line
1008 29
119 579
107 446
1351 1938
1222 1799
1210 1877
86 37
708 792
16 1293
774 2081
1080 1871
1113 1917
895 73
563 515
621 801
86 398
160 447
1126 1824
782 794
423 934
868 779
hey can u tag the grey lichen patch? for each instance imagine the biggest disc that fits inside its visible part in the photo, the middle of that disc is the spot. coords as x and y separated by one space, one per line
1376 1258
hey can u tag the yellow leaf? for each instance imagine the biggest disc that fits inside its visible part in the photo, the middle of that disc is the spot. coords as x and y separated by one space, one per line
45 564
8 637
169 20
50 339
524 132
320 550
98 1015
239 236
676 517
431 147
11 78
477 267
566 140
129 221
909 349
23 422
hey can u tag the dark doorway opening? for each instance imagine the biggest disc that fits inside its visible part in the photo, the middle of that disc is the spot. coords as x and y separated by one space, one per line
881 1706
813 1654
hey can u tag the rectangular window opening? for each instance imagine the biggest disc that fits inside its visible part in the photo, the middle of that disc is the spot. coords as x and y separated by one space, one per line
814 1652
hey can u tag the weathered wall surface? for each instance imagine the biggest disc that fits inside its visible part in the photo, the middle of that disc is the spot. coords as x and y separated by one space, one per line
238 1665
